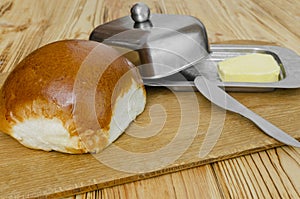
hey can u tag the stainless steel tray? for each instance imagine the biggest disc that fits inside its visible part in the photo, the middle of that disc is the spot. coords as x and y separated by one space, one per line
287 59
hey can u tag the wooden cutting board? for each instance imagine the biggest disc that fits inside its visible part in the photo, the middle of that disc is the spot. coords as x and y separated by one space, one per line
166 138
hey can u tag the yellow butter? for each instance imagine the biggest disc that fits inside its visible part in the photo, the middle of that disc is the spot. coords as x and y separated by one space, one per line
254 67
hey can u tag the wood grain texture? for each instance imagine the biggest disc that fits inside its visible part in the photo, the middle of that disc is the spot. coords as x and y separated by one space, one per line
266 174
28 24
190 183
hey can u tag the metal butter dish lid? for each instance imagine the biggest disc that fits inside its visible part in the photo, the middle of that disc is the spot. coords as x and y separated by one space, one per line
173 49
165 43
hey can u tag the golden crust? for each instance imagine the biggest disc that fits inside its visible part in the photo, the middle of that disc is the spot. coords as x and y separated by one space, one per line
53 79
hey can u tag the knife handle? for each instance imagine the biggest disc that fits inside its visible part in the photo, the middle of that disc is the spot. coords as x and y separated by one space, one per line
222 99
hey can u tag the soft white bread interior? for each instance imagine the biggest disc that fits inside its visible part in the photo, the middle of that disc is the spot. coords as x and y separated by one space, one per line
72 96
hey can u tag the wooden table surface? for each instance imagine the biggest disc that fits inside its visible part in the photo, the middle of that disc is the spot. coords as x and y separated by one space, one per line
28 24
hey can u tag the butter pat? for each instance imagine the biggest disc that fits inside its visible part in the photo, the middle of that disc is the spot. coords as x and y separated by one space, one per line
254 67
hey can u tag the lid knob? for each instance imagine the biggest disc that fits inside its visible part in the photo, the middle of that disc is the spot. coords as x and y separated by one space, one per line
140 12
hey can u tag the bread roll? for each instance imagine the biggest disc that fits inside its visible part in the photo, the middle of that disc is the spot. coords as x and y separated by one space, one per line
72 96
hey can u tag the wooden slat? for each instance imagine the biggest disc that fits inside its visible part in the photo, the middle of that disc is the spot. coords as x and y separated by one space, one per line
270 174
192 183
246 20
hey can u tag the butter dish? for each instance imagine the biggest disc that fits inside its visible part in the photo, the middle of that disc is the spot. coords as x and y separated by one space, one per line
171 50
287 59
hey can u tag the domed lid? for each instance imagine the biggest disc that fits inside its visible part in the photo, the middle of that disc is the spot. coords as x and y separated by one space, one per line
165 43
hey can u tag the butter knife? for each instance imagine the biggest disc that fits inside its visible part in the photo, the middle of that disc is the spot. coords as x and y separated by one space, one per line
219 97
